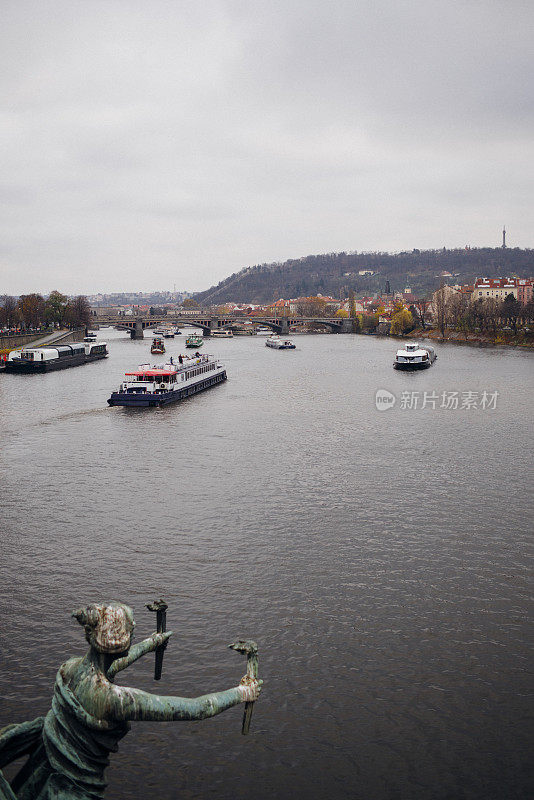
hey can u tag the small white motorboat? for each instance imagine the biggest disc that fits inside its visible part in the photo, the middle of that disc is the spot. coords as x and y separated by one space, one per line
414 356
279 344
223 333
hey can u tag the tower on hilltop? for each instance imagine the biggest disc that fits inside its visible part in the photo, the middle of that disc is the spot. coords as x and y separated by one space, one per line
504 238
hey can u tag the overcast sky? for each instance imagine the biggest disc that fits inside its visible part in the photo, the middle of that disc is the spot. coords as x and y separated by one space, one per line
147 144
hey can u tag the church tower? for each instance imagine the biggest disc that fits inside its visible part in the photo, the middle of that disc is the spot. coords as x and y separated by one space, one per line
504 238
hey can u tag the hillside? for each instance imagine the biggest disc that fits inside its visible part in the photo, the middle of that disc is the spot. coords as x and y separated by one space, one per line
336 274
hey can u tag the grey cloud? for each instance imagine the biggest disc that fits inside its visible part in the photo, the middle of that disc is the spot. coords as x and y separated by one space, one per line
179 142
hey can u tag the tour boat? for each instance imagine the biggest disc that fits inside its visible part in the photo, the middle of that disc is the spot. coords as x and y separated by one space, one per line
263 330
157 345
194 340
414 356
46 358
168 333
160 385
91 337
222 333
279 344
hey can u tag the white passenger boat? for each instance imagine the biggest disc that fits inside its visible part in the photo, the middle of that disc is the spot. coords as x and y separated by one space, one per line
414 356
195 341
263 330
222 333
170 382
279 344
30 360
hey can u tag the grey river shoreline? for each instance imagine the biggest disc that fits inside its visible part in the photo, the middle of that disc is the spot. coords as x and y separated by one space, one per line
379 558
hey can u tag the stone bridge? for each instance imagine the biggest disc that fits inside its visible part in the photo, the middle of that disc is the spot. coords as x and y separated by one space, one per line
210 322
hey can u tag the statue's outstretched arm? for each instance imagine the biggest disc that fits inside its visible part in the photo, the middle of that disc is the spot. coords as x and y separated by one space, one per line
136 651
133 704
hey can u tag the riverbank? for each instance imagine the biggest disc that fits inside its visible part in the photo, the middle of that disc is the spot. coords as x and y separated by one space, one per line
501 339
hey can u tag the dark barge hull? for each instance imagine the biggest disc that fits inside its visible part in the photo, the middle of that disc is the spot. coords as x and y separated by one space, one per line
144 400
38 367
407 367
35 367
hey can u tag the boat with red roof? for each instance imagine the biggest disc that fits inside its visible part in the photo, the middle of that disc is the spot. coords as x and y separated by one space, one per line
170 382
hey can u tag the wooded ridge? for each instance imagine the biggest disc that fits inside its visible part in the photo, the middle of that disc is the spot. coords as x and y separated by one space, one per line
335 274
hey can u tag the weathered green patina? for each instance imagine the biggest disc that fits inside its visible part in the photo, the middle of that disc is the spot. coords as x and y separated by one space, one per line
68 750
250 649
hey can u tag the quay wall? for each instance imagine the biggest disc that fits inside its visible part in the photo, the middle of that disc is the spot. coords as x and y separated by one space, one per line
8 343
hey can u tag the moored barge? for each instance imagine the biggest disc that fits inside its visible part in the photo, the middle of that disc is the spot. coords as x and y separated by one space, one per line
30 360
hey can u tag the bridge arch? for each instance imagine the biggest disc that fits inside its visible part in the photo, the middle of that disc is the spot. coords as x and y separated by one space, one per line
335 326
274 325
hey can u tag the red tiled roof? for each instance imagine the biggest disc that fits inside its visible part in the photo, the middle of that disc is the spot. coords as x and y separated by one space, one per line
495 283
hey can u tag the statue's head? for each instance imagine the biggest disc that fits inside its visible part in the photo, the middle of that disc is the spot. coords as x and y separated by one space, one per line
108 626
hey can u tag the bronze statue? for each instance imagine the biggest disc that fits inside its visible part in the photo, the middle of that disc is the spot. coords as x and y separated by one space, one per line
68 750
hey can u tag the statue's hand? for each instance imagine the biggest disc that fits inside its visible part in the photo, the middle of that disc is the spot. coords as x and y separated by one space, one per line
250 689
160 638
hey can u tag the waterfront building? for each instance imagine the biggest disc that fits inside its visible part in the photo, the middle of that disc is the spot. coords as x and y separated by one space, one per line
494 288
525 290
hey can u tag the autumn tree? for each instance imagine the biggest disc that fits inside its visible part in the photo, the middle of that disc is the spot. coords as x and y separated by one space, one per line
78 312
456 306
402 322
478 312
190 303
422 307
466 322
312 307
370 322
32 310
440 303
352 304
528 311
493 314
511 310
8 311
56 306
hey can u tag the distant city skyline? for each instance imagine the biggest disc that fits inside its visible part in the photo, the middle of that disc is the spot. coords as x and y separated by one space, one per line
162 144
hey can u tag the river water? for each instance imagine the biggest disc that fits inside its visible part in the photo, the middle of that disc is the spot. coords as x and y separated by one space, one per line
379 558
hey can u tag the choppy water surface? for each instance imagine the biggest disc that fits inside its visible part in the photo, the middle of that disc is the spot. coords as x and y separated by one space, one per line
379 559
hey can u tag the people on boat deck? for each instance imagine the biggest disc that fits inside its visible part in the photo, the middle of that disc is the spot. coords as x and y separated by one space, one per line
171 361
180 359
